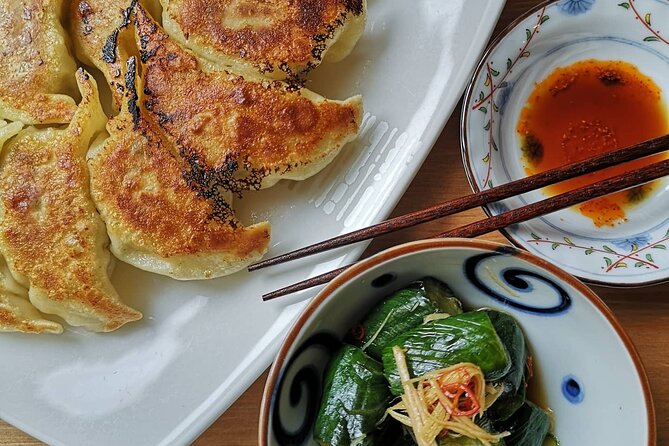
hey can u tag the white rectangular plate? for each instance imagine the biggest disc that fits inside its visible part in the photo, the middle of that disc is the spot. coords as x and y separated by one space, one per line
164 379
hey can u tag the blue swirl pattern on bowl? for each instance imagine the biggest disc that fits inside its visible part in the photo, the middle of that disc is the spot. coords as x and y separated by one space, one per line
572 389
515 278
303 390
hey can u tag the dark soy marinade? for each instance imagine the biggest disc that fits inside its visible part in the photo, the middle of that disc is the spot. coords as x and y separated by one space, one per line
585 109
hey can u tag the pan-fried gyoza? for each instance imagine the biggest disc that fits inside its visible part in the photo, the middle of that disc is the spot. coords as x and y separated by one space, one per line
227 133
16 311
50 233
261 131
37 70
196 123
279 39
158 218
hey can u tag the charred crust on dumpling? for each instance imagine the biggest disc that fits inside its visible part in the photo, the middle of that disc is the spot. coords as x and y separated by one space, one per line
355 6
130 80
164 118
85 12
109 48
230 175
265 67
127 12
145 54
329 34
117 86
213 183
82 75
294 81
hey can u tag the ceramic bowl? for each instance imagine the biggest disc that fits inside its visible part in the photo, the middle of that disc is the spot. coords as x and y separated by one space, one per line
559 33
586 367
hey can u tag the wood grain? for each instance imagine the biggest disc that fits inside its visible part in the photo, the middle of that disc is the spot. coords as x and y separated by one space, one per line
643 312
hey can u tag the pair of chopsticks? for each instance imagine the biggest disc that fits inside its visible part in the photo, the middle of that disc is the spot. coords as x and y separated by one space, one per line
547 206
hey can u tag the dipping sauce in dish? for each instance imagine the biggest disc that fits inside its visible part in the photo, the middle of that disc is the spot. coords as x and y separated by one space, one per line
585 109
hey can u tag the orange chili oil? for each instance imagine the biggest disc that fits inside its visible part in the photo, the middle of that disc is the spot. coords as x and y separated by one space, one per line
585 109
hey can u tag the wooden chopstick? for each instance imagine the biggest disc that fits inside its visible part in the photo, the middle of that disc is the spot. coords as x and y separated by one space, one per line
471 201
543 207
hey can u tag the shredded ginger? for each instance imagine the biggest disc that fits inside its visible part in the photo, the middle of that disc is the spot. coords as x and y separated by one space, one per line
444 402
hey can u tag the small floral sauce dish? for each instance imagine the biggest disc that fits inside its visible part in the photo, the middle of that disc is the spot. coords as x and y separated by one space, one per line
630 250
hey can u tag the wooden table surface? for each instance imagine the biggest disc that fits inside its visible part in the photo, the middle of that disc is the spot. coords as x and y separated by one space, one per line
644 312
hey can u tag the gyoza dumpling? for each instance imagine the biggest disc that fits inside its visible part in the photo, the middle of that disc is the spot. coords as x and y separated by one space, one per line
50 233
164 192
247 131
160 216
16 312
36 68
250 132
280 38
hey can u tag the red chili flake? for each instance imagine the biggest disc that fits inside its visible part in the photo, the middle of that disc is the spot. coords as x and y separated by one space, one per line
358 332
